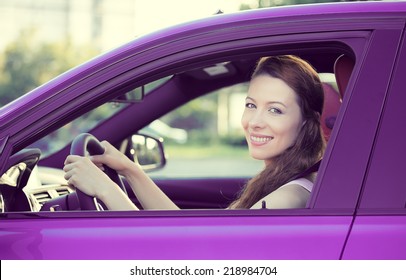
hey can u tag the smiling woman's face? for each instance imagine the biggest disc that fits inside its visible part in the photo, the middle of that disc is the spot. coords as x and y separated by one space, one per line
272 118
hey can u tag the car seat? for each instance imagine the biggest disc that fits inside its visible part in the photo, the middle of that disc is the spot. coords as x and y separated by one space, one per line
332 103
343 67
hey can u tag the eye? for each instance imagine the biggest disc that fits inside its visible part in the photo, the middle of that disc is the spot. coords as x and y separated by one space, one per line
274 110
250 106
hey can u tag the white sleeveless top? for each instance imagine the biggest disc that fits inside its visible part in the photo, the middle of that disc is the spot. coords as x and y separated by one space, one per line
305 183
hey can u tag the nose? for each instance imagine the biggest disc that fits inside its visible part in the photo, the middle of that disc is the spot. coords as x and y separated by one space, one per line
256 121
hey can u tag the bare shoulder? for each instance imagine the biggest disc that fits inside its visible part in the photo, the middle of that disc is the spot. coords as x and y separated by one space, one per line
289 196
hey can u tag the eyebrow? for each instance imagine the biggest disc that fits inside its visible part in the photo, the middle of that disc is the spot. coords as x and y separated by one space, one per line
269 102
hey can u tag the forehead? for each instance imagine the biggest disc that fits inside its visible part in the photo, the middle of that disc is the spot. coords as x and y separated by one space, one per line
266 88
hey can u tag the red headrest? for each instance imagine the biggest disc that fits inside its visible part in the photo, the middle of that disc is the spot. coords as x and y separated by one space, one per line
332 103
342 70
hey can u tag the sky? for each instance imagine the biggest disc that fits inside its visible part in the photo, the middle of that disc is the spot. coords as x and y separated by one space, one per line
175 11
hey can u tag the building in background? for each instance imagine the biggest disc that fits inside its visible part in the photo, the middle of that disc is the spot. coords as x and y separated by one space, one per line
104 23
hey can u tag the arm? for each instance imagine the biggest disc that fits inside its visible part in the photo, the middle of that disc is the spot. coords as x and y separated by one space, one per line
147 192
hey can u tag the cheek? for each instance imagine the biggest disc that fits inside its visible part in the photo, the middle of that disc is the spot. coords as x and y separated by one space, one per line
293 125
287 130
293 132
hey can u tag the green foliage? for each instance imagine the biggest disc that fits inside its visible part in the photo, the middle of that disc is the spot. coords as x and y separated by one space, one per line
26 64
207 119
195 115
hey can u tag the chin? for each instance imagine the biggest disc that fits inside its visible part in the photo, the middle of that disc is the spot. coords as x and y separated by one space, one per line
257 156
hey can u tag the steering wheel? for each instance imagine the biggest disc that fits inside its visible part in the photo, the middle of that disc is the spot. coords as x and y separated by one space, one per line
82 145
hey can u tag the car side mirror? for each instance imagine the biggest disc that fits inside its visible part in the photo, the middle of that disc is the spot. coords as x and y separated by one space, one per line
132 96
147 150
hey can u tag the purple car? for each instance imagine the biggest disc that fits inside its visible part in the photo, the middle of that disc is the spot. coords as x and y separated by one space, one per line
357 207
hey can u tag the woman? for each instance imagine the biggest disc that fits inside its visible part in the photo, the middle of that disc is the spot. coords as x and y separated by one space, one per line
282 127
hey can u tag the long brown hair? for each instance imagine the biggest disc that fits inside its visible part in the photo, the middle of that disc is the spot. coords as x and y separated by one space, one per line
309 145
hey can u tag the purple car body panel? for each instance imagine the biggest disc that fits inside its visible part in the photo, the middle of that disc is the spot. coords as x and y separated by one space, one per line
167 238
377 237
342 220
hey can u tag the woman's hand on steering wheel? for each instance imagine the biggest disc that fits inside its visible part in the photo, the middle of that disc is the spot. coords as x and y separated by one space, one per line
83 174
114 159
90 181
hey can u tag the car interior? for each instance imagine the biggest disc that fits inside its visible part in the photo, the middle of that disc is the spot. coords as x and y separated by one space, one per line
27 187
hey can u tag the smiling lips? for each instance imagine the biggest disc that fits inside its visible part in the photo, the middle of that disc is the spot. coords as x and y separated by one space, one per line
260 140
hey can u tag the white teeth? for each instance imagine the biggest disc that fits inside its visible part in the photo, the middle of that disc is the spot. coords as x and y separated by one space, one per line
261 139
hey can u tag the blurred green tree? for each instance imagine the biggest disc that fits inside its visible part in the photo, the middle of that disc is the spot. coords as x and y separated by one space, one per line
26 64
